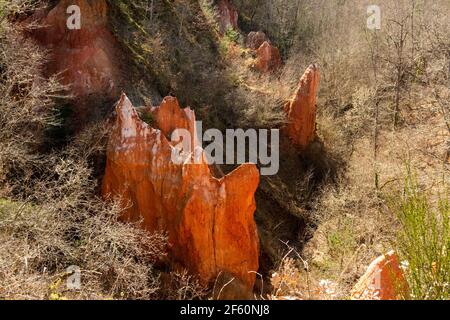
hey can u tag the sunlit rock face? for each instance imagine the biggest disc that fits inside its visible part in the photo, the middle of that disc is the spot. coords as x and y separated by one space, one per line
383 280
301 109
228 16
268 58
209 221
85 59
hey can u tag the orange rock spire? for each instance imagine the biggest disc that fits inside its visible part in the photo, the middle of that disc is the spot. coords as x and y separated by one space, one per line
383 280
209 221
301 109
268 58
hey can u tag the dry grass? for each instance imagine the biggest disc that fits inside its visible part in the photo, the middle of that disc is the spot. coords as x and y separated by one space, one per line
50 215
39 243
354 224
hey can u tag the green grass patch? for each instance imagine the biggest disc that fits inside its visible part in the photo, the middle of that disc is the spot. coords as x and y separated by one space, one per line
341 240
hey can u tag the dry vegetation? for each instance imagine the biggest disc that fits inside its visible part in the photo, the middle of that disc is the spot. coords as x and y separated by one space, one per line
383 102
51 217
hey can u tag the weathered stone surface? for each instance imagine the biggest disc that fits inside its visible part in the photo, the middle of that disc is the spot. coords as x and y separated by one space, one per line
383 280
256 39
85 59
268 58
301 109
228 16
209 221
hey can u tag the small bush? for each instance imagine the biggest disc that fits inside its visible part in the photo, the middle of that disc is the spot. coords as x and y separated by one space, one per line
424 240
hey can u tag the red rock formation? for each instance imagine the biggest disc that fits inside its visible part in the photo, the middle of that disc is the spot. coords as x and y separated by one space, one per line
256 39
267 58
209 221
383 280
301 109
84 58
228 16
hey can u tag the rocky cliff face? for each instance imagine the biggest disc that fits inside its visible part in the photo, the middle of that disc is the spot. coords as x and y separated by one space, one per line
209 221
301 109
85 59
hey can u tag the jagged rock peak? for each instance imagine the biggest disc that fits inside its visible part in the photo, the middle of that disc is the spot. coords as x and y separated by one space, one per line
209 221
268 58
302 108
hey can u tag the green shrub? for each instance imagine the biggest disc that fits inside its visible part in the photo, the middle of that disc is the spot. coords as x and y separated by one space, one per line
424 240
232 35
